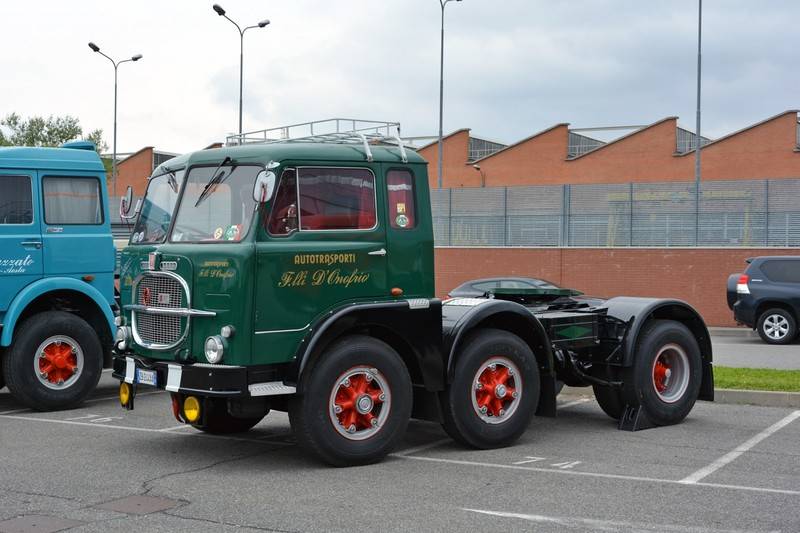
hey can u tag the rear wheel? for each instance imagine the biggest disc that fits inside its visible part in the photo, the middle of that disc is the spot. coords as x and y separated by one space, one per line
356 403
495 390
218 421
666 374
777 326
54 361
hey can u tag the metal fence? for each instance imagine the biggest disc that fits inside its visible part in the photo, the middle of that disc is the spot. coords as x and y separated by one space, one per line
740 213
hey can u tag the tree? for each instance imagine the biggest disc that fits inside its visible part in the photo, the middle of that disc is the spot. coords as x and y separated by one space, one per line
50 131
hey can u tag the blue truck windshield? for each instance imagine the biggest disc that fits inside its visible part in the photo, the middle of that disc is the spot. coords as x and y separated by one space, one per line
157 208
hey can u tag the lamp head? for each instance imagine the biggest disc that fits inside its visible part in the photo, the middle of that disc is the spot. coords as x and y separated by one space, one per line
219 10
94 47
263 23
137 57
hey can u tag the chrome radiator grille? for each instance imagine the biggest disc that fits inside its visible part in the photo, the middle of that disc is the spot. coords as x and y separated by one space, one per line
161 292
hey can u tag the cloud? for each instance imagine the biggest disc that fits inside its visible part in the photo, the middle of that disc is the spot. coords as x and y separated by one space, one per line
512 67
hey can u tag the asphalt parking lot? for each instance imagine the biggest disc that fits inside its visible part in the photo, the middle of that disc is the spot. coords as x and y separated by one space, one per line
743 348
726 468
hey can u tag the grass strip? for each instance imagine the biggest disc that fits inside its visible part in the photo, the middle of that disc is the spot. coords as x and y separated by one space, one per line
726 377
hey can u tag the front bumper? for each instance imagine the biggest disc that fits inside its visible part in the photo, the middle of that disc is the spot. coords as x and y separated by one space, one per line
199 379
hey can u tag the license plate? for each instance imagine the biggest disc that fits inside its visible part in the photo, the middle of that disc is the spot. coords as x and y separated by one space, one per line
146 377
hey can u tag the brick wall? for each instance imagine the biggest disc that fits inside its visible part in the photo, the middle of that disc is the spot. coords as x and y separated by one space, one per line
696 275
134 171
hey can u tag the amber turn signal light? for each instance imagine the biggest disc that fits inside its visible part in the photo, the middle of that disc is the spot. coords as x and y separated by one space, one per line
396 291
124 394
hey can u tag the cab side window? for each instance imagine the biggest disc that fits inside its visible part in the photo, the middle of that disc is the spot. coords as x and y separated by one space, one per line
336 199
16 203
400 185
71 200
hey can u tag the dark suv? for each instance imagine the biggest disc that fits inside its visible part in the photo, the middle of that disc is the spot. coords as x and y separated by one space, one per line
767 297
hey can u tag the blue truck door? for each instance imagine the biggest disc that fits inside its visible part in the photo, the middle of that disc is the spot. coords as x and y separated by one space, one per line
20 238
75 228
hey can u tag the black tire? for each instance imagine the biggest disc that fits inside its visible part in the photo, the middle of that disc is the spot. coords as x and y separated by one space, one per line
461 402
671 341
610 400
2 379
218 421
18 363
312 414
777 326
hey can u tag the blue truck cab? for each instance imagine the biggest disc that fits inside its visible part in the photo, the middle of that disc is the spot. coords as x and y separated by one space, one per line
57 263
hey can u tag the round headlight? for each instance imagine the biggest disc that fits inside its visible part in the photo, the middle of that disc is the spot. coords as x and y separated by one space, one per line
214 349
121 338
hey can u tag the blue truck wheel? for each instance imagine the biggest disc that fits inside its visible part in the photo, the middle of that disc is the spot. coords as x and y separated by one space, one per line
54 362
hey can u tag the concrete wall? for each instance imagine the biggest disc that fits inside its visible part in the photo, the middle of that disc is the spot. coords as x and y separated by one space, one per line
696 275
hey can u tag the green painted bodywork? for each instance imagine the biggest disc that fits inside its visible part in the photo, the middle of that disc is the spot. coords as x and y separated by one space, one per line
271 289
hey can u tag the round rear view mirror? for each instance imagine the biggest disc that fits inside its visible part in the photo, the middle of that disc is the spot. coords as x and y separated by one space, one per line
264 186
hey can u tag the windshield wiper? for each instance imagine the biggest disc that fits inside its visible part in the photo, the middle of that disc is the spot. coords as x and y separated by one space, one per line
215 180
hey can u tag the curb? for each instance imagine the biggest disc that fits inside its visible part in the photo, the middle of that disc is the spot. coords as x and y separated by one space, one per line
742 332
790 400
758 397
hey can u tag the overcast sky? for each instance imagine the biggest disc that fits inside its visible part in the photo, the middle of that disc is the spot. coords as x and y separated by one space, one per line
512 67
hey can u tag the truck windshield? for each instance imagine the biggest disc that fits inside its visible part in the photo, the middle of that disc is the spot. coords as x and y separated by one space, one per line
157 208
227 207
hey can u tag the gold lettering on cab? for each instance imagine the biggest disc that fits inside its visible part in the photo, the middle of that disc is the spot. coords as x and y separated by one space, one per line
217 273
325 259
323 277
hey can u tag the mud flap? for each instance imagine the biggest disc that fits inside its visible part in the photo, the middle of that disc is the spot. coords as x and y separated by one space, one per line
634 418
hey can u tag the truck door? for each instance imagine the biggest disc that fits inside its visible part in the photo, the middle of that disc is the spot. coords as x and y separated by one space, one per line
20 239
76 230
323 245
409 233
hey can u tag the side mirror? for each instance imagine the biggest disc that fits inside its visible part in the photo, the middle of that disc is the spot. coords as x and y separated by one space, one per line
125 204
264 186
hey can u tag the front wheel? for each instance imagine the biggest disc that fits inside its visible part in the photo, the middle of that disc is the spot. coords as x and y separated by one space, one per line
666 374
495 390
54 362
777 326
356 402
217 420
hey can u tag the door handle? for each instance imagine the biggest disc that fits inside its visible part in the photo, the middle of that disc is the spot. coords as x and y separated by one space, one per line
380 252
35 244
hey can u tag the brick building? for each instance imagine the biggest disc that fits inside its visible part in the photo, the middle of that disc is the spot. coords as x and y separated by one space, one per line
659 152
137 167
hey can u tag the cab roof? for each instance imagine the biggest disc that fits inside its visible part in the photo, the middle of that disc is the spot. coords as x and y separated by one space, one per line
294 151
77 157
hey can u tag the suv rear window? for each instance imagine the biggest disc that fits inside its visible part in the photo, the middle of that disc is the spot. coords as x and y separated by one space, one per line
69 200
16 204
782 270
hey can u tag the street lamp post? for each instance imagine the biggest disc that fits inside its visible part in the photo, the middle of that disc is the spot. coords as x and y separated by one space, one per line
116 64
441 90
221 12
698 138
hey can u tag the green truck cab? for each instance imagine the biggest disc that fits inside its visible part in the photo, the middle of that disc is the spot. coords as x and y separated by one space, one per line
299 276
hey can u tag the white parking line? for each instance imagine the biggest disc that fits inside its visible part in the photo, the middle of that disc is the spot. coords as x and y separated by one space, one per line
604 525
423 447
732 455
145 430
594 474
14 411
573 403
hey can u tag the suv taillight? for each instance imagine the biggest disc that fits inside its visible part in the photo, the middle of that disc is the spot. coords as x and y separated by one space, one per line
741 285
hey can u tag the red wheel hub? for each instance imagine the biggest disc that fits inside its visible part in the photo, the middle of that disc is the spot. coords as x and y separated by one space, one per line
495 390
58 362
661 374
356 402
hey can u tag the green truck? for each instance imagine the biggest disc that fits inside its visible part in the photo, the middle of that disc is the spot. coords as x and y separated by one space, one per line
298 276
